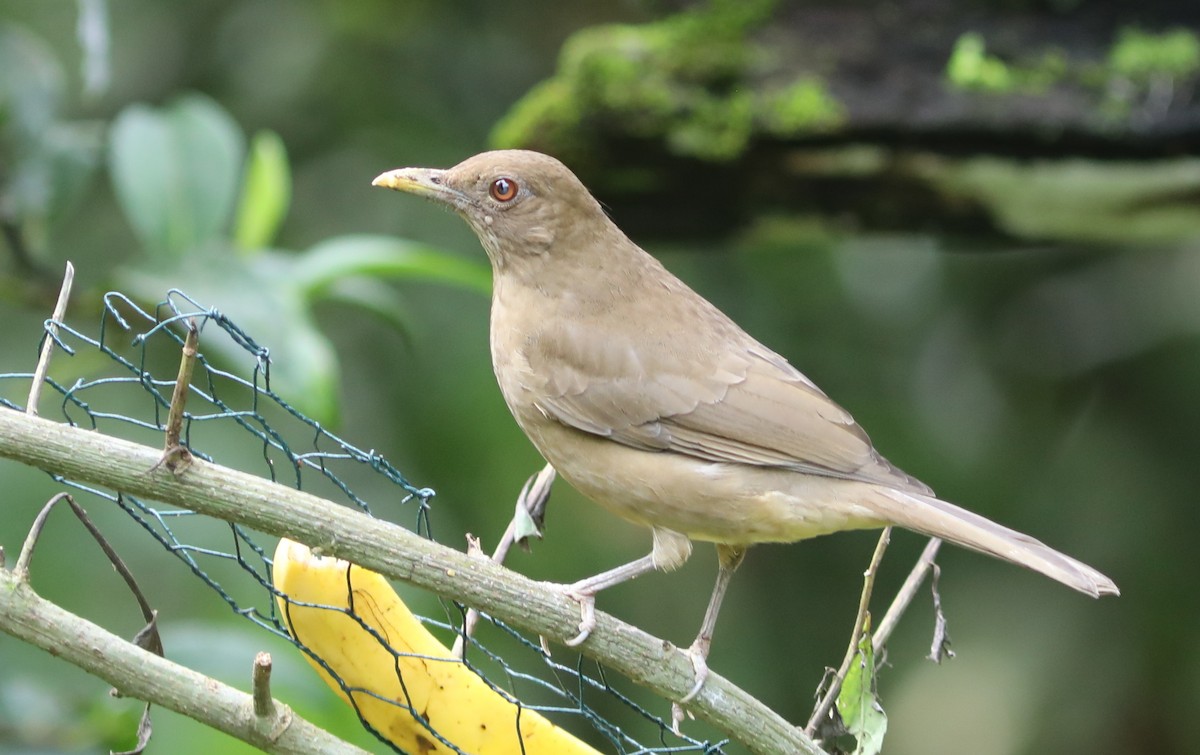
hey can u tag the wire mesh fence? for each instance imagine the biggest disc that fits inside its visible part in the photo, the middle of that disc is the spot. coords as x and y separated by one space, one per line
128 371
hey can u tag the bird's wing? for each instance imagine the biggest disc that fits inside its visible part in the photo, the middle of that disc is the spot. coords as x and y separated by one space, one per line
744 405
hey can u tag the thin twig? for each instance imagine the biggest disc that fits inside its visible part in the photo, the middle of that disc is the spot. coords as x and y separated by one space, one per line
175 454
864 603
120 567
43 363
264 705
118 564
146 676
148 638
21 570
531 505
883 630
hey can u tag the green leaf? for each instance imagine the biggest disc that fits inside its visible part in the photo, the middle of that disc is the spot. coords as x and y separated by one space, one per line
525 526
270 296
72 154
385 257
47 178
266 193
857 704
260 297
31 84
46 163
374 296
175 171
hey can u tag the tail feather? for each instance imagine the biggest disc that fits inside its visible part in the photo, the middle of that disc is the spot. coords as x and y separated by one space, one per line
937 518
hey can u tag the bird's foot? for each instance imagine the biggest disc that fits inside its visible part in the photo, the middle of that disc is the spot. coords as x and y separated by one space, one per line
587 614
698 655
678 713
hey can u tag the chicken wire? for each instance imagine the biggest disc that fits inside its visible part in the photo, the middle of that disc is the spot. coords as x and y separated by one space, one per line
131 365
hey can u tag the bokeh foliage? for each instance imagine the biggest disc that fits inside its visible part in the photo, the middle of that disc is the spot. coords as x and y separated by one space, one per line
1050 384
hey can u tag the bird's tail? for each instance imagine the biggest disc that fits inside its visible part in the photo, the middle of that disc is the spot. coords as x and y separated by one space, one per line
936 518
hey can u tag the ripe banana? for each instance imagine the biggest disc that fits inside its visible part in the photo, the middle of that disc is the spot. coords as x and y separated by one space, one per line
413 672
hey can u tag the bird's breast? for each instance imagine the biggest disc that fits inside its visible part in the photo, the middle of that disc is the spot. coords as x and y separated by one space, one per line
516 318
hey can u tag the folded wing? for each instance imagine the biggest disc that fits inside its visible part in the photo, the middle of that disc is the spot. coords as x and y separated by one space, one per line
744 404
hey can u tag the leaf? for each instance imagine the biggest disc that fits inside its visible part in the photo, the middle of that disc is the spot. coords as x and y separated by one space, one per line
139 149
175 171
266 193
524 527
211 149
530 515
940 647
47 178
270 296
857 704
385 257
259 295
31 84
72 154
376 298
45 163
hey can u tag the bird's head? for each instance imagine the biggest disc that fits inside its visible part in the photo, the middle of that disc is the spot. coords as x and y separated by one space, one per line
521 204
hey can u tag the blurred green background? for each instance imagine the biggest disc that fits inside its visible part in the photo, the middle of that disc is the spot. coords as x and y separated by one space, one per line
1045 376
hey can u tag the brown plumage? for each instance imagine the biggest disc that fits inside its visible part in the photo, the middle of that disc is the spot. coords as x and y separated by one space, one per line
657 406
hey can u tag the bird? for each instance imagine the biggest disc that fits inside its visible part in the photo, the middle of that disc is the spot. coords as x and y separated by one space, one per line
657 406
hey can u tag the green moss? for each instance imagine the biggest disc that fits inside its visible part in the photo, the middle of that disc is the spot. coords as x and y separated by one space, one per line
1143 55
1052 68
548 114
717 128
683 79
970 67
1141 67
803 107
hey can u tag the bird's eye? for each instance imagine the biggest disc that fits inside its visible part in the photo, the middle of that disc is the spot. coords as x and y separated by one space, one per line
503 189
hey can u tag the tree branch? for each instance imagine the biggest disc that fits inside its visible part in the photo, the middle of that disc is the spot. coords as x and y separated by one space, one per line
537 607
860 621
137 673
883 630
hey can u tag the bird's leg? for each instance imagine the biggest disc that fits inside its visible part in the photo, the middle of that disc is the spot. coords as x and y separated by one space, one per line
729 558
584 592
670 550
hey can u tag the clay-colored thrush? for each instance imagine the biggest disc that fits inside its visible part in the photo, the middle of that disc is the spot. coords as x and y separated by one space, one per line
657 406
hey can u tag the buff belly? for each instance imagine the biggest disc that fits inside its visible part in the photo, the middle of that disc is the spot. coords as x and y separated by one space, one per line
716 502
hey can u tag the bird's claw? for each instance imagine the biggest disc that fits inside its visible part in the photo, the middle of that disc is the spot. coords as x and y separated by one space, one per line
677 715
587 620
698 655
699 658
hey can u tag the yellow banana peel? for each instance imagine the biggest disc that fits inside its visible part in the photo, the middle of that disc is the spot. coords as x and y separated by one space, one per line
413 672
